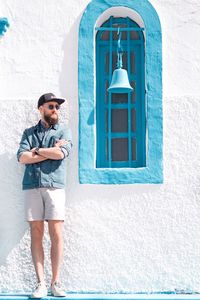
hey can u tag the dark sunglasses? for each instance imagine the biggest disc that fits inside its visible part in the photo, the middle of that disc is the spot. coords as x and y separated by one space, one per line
51 106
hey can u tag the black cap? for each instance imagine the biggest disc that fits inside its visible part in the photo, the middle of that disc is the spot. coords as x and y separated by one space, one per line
49 97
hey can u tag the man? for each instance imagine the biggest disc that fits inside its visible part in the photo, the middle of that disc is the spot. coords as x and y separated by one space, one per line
43 149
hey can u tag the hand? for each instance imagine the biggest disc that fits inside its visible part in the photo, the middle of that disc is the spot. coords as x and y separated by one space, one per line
60 143
33 150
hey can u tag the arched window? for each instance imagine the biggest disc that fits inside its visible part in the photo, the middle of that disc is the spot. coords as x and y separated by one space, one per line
129 151
120 117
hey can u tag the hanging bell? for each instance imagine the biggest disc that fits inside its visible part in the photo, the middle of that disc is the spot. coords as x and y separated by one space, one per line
120 82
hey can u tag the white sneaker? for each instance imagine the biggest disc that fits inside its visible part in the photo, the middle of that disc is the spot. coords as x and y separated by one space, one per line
57 290
40 291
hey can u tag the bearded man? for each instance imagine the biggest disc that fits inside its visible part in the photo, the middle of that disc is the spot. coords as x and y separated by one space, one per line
43 149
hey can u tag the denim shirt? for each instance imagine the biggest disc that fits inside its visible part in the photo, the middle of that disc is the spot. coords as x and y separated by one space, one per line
48 173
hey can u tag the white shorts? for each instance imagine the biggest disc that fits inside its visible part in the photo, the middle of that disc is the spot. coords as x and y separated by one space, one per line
45 204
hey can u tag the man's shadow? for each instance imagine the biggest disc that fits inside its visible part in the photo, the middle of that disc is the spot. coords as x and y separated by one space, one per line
12 223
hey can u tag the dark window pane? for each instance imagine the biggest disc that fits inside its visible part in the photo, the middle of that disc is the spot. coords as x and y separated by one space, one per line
133 94
107 63
106 116
124 60
133 120
132 62
124 35
120 149
119 120
133 149
114 61
134 35
106 144
119 98
105 35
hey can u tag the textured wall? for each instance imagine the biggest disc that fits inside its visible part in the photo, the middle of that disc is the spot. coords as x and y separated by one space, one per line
117 238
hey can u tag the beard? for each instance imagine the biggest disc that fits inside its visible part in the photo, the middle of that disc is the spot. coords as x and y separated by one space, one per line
50 119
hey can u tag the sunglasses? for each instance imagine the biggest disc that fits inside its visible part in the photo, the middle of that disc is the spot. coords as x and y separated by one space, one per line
51 106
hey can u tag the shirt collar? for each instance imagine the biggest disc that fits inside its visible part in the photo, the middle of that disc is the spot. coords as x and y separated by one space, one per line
40 126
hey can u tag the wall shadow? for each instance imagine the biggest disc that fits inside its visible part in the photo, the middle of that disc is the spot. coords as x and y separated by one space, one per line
13 224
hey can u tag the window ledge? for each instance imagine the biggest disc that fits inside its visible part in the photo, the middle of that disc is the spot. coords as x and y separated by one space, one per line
121 175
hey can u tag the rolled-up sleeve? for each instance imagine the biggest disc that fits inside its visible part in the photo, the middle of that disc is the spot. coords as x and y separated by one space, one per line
24 145
66 148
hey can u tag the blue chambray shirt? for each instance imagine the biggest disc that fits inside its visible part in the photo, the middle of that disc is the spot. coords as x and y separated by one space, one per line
48 173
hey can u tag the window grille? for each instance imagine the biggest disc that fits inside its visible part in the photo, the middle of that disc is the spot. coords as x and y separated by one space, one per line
121 121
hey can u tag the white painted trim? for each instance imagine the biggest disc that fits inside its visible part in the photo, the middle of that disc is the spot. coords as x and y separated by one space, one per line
119 11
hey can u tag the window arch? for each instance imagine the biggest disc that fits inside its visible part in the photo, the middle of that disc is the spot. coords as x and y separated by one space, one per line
120 118
152 170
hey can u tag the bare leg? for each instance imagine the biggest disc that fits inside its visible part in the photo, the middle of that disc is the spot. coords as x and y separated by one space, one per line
37 232
55 232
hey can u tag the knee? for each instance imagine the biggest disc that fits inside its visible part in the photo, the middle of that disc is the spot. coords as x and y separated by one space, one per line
37 233
55 232
56 237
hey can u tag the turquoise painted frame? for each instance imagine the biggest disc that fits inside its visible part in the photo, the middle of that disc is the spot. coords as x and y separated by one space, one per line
3 24
153 172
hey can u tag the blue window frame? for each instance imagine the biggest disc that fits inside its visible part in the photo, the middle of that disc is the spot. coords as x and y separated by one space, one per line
152 171
121 134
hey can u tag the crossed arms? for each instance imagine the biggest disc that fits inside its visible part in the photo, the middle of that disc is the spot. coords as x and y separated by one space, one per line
55 153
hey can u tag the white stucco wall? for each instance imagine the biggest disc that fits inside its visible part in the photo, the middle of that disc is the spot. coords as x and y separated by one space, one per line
124 238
